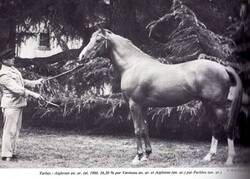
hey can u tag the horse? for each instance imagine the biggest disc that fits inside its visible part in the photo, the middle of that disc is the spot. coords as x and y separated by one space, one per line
145 82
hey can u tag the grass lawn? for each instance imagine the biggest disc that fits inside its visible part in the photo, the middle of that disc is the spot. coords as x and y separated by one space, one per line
45 148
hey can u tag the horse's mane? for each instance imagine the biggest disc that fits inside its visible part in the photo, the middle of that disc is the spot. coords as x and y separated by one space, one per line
129 43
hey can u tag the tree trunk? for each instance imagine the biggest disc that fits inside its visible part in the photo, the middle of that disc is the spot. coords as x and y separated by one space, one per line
123 18
123 22
4 34
63 56
7 25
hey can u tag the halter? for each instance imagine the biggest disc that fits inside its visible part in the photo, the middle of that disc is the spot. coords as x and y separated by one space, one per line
105 40
97 47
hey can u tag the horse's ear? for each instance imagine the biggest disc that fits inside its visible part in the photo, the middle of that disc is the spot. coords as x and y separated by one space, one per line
101 28
103 31
98 26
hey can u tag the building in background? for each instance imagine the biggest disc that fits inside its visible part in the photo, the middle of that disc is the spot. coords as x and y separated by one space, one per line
42 43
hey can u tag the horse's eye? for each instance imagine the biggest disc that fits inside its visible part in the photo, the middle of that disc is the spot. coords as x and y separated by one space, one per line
98 39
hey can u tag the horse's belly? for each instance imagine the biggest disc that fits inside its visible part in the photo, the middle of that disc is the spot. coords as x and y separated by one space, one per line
160 88
167 100
161 96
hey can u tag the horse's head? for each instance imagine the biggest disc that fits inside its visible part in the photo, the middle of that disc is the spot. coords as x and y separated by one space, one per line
97 46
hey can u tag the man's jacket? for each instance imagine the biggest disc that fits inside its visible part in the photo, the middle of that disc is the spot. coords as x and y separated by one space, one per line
12 88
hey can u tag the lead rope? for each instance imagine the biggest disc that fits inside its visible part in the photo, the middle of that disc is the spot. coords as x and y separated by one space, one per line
64 73
57 76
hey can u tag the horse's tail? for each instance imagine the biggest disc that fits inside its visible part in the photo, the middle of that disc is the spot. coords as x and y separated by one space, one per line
236 91
245 99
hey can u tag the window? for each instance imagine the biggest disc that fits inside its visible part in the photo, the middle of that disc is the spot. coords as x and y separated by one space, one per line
44 41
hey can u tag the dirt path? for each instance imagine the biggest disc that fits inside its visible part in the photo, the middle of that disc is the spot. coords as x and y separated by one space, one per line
50 149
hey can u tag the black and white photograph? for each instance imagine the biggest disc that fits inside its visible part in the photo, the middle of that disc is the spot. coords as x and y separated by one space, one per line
121 88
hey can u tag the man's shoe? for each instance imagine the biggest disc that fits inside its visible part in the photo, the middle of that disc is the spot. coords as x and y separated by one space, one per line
7 159
14 156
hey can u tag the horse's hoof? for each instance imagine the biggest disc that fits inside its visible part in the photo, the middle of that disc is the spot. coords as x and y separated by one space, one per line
229 162
209 157
144 158
136 160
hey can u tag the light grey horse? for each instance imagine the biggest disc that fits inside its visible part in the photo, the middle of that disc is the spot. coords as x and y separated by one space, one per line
149 83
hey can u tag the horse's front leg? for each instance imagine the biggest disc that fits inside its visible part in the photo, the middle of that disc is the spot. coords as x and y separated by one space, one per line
145 134
135 110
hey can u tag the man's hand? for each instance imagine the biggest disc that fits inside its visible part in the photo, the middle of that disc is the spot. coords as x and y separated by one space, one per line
39 81
33 94
37 96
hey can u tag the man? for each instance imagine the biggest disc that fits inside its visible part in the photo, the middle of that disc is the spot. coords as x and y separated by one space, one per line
13 101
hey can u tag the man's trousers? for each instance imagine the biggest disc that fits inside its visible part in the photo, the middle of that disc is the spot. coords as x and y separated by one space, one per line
12 124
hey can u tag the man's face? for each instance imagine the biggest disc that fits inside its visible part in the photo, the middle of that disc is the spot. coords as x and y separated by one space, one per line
9 62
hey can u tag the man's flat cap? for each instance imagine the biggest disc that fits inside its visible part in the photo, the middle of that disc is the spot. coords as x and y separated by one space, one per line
7 54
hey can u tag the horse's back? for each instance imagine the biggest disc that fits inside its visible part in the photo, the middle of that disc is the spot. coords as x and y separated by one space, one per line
206 80
157 84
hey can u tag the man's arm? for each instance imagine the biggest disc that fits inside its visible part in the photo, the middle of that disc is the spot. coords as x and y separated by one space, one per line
13 87
32 83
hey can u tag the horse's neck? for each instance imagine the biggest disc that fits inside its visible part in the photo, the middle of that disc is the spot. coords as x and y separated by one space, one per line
124 54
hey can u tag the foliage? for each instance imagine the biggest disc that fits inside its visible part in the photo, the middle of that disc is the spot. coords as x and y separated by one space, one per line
90 78
60 18
80 97
188 37
81 94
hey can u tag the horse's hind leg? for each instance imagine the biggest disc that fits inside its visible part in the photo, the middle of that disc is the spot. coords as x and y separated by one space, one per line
233 113
217 114
221 115
213 149
231 151
136 112
230 138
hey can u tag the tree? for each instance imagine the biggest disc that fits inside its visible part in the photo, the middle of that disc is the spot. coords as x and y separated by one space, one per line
7 27
80 93
74 19
123 18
